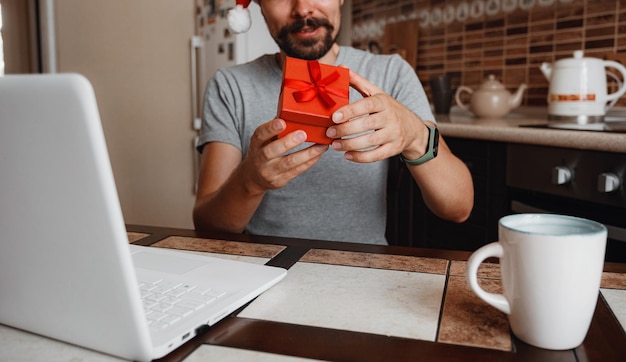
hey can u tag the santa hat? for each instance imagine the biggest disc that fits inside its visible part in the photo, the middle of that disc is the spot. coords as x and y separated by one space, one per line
239 20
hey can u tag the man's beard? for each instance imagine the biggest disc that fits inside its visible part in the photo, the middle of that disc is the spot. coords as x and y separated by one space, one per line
308 49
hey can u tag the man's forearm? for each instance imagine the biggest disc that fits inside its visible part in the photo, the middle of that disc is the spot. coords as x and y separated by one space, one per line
446 185
229 208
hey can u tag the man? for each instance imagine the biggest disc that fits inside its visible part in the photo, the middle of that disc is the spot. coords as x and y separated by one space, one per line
252 181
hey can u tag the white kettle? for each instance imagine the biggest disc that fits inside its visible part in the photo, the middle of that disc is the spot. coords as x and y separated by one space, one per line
578 88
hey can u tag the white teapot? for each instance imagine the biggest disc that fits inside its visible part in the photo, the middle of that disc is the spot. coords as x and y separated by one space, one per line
578 88
491 99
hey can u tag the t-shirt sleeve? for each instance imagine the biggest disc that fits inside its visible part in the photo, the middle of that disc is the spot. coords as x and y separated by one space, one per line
406 87
220 122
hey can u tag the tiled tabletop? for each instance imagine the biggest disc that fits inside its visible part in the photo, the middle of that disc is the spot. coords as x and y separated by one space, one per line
227 354
387 302
403 296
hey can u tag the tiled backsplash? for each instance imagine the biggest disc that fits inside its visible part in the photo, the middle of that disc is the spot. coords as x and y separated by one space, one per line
470 39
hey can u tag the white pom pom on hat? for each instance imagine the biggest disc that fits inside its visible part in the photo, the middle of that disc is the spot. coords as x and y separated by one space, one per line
239 20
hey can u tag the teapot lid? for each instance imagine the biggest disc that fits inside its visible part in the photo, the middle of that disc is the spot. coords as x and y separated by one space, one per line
577 60
491 84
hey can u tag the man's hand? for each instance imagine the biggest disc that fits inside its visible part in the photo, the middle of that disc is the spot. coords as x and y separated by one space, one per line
384 126
269 165
380 127
230 190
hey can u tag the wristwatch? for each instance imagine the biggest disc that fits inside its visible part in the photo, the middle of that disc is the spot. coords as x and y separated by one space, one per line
431 151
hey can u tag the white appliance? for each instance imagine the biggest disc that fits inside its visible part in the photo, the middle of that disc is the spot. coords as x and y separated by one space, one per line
220 46
578 88
215 46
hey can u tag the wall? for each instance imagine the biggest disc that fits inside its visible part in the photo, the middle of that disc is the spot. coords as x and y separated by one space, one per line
137 56
471 39
18 33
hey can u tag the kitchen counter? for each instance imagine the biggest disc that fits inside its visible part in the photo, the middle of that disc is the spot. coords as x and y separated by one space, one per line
357 302
528 125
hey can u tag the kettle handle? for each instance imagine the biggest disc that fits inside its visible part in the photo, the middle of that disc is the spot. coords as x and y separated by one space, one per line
619 85
618 66
457 97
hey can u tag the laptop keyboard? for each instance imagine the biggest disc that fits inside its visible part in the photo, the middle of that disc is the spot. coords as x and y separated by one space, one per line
167 302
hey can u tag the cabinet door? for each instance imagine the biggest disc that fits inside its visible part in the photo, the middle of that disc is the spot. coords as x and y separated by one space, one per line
410 222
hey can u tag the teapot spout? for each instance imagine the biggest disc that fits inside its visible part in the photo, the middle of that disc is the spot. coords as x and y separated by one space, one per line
516 99
546 69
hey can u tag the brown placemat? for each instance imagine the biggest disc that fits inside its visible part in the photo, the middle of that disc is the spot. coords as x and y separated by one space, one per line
613 281
485 270
132 236
469 321
220 246
378 261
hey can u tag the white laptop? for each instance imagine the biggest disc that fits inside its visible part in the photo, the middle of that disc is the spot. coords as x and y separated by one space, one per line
67 270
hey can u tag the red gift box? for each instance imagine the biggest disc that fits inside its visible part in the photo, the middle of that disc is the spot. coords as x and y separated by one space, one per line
310 93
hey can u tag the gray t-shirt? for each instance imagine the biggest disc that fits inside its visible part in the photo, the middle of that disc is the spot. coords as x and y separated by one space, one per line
336 199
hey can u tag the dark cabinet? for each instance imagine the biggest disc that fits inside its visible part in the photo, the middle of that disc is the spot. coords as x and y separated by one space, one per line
410 223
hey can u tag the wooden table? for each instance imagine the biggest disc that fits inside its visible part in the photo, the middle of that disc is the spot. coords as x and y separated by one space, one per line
354 302
465 328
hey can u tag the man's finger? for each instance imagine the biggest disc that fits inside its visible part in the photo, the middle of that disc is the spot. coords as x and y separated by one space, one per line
362 85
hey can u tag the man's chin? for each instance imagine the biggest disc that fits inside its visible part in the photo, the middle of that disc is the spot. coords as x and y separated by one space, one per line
307 54
309 49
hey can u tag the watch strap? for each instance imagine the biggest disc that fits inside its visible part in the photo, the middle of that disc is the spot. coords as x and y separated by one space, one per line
431 151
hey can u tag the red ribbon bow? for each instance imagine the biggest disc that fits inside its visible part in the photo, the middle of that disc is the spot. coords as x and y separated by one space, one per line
318 87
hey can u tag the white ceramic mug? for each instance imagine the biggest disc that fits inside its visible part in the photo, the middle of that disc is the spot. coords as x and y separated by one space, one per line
551 267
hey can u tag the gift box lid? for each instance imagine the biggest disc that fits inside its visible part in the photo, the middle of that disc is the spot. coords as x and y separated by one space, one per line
312 91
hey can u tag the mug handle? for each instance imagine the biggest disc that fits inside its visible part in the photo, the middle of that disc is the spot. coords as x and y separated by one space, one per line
496 300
